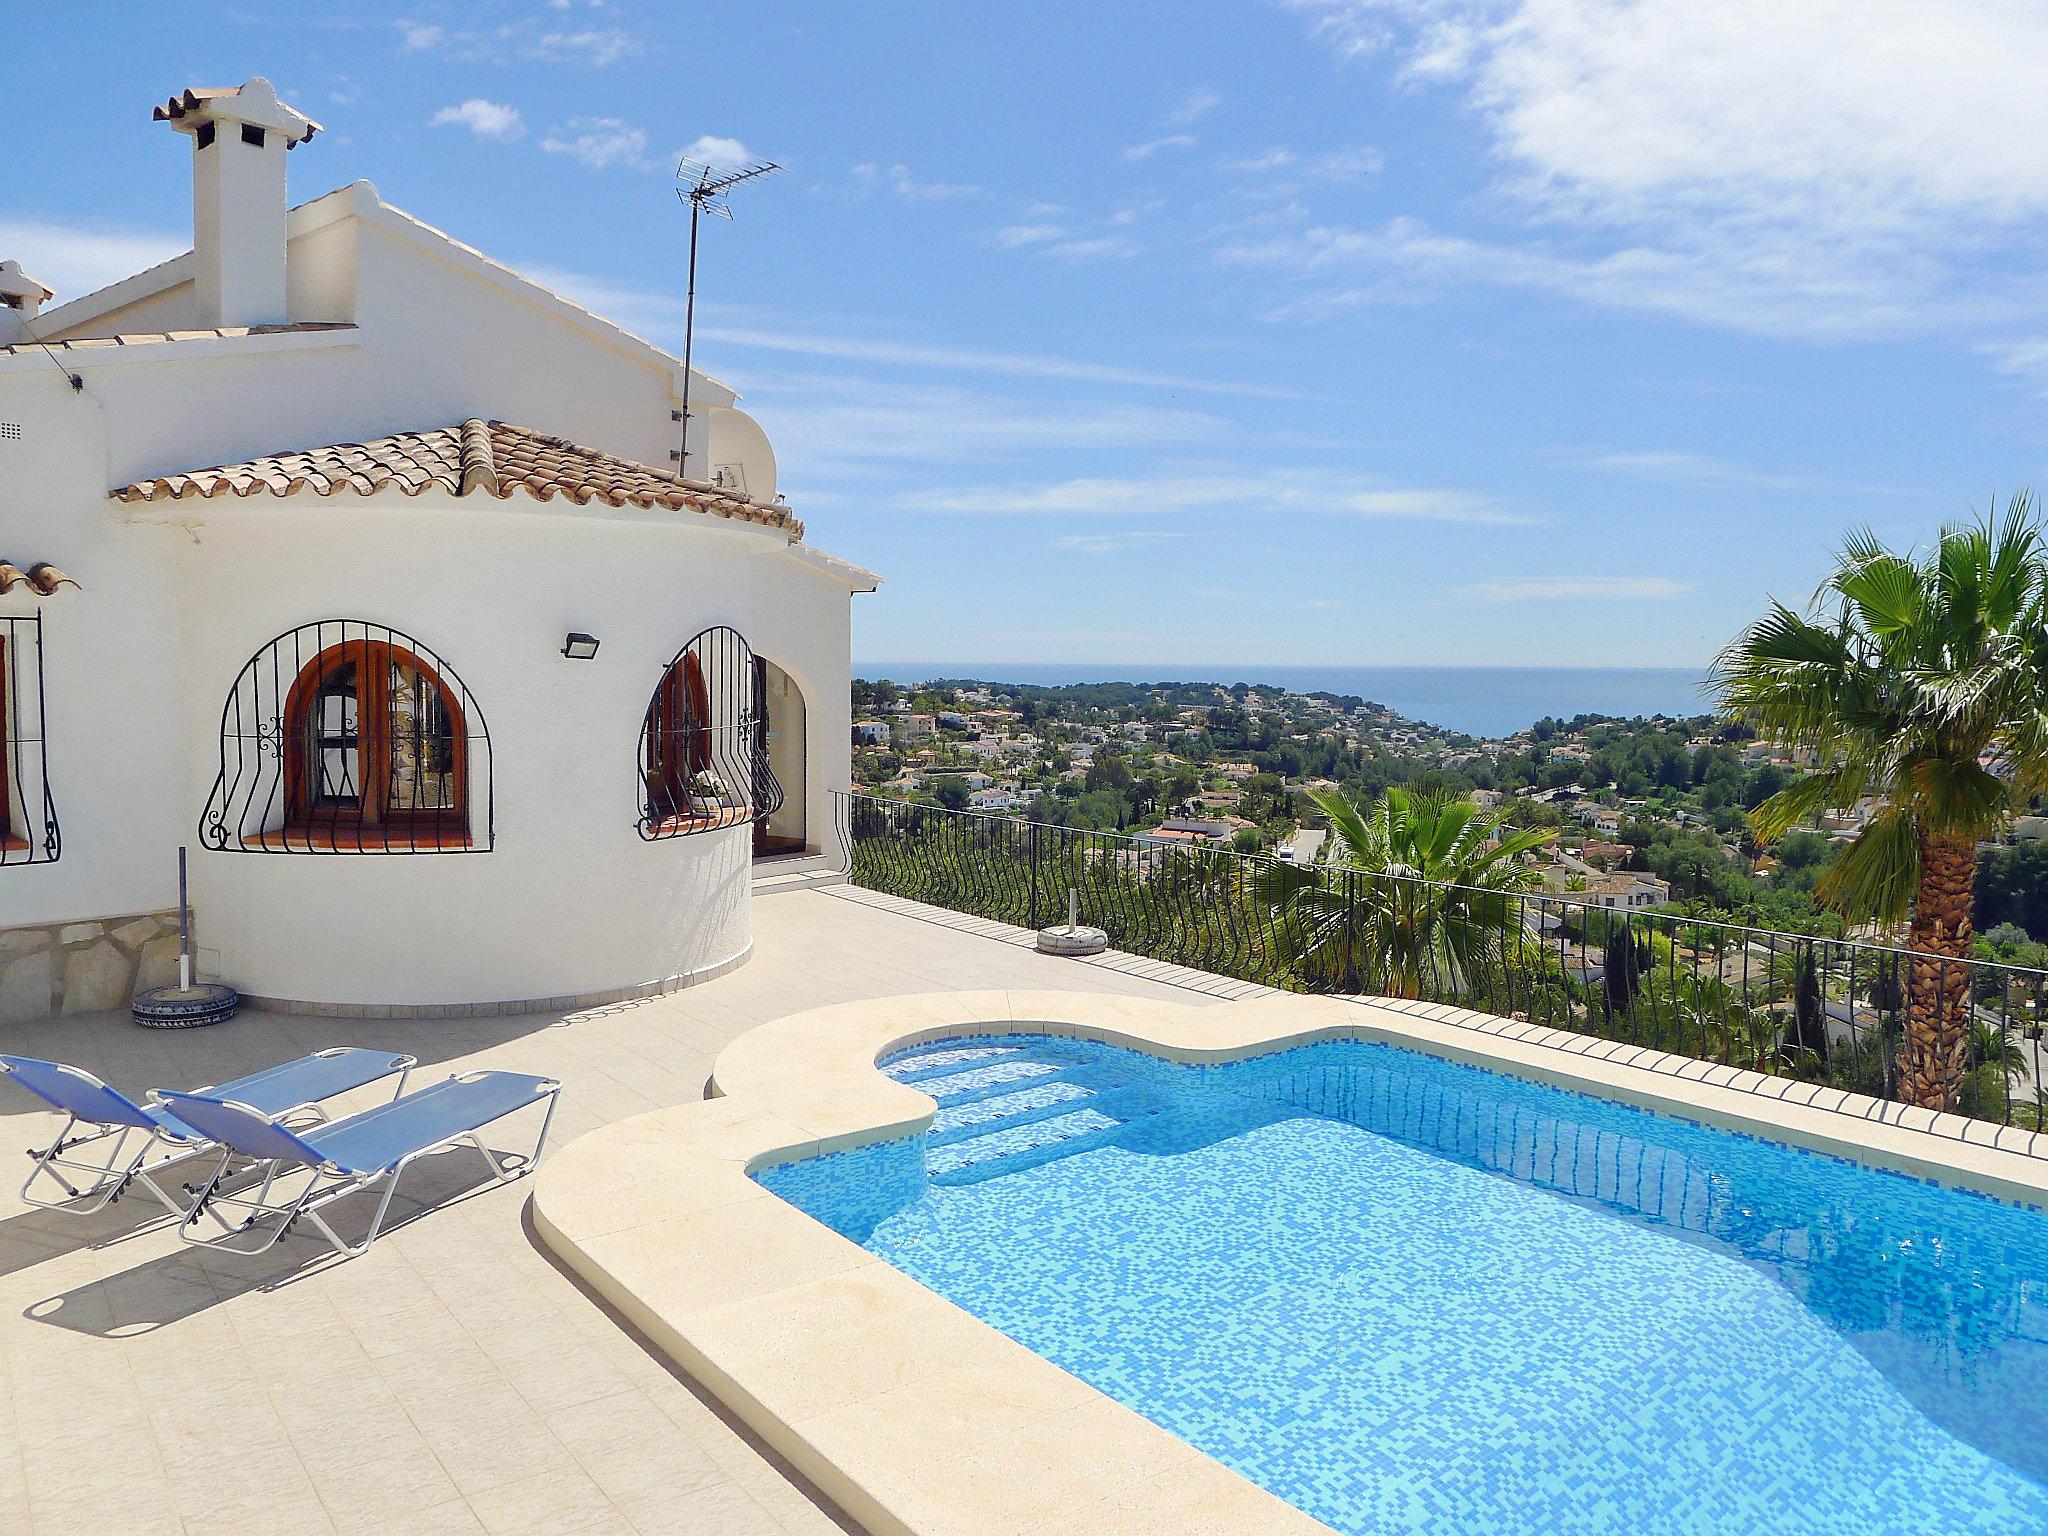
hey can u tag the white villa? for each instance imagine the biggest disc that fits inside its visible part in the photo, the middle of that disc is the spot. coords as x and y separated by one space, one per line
391 584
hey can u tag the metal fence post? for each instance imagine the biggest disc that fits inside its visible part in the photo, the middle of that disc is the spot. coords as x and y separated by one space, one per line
1031 853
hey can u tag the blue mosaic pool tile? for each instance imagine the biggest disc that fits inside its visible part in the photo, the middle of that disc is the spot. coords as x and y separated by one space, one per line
1413 1296
955 1119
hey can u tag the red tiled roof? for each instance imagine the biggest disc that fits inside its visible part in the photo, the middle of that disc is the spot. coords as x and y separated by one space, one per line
492 457
41 577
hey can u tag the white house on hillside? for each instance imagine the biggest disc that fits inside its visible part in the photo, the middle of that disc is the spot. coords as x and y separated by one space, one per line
307 539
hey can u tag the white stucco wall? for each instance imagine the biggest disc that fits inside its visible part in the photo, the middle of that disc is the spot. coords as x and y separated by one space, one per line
570 899
177 597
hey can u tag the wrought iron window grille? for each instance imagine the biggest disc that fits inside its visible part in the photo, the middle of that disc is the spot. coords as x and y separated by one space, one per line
28 830
703 760
348 737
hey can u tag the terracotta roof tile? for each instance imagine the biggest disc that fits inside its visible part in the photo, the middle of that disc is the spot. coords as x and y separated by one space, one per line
493 458
41 577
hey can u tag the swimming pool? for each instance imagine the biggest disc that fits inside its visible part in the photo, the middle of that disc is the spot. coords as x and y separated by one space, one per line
1409 1295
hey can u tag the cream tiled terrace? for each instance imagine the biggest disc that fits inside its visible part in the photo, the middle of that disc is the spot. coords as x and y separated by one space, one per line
454 1379
458 1379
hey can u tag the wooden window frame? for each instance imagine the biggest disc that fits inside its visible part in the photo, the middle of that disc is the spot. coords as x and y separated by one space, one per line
374 825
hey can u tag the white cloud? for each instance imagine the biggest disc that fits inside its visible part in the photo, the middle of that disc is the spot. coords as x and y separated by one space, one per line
1028 234
1018 364
899 180
719 153
1115 543
530 39
1095 248
1763 288
1140 496
1347 164
75 260
485 119
1516 589
1676 465
1196 104
1152 147
1831 167
2026 359
1264 163
599 142
837 421
595 46
661 314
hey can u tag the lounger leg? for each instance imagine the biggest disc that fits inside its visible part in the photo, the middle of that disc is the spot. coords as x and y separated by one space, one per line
284 1215
525 1164
376 1222
203 1200
110 1176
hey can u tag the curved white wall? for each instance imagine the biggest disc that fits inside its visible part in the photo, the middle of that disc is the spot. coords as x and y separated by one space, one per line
569 900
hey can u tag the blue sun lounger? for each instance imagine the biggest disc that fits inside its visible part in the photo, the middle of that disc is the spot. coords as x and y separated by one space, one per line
362 1153
291 1089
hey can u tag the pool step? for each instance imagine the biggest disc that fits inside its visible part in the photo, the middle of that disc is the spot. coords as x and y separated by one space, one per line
1018 1147
940 1063
1027 1137
978 1116
985 1080
1004 1107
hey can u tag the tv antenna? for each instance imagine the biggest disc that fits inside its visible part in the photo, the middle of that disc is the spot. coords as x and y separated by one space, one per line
704 190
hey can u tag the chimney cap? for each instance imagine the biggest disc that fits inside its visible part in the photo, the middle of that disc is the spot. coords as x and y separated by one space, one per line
254 102
20 291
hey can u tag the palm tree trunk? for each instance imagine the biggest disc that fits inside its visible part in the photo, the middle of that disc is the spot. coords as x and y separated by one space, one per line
1934 1054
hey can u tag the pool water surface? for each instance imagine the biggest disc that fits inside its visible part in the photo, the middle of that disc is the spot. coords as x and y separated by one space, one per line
1407 1295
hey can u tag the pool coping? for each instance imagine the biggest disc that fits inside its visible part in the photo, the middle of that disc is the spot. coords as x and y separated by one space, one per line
918 1418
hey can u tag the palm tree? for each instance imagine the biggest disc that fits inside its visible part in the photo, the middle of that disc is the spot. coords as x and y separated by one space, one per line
1907 675
1416 889
1993 1045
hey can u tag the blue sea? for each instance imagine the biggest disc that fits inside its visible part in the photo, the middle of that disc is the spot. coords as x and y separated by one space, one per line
1478 701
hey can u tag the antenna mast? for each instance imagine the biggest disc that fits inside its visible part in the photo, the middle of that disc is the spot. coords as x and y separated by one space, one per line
705 193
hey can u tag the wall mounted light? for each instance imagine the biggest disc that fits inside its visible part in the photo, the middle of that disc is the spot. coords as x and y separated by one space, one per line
579 646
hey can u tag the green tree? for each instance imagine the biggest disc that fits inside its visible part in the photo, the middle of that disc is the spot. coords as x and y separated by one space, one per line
951 792
1414 891
1907 673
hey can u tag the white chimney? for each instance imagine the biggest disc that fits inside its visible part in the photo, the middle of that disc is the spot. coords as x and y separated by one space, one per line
20 297
239 137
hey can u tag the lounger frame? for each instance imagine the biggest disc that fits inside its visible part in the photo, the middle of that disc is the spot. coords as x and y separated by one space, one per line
110 1176
326 1183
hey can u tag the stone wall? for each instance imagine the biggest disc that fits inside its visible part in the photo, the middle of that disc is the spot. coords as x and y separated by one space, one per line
86 967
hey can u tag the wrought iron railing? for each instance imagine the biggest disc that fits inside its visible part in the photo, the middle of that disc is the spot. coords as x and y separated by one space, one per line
1829 1011
354 738
704 741
28 812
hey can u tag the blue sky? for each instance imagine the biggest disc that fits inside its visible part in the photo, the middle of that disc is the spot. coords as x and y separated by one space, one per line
1255 331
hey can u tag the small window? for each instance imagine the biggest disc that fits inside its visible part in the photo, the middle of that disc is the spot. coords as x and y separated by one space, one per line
28 815
344 737
703 749
251 134
203 138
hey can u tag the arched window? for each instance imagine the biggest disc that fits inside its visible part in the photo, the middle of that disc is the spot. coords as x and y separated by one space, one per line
703 752
345 737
